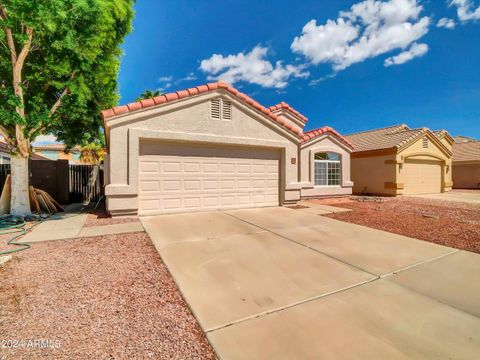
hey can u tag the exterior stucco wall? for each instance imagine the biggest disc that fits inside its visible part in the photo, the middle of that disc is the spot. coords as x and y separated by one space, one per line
370 173
187 121
466 175
307 153
416 151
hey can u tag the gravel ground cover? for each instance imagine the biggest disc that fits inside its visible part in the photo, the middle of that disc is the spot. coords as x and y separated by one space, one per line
447 223
108 297
100 217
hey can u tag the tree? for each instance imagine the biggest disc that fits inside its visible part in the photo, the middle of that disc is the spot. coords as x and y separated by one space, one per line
148 94
92 153
59 61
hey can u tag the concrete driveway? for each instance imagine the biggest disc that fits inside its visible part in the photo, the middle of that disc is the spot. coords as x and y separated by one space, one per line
277 283
469 197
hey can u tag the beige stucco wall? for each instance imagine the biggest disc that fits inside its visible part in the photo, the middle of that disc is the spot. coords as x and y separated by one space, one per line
370 173
466 175
188 120
325 143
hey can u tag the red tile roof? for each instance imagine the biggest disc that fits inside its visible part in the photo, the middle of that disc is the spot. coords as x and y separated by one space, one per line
285 106
142 104
162 99
312 134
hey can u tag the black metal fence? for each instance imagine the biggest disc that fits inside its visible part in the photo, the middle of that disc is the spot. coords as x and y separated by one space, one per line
86 183
4 171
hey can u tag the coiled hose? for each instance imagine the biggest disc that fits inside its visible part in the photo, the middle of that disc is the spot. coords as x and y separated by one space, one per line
14 225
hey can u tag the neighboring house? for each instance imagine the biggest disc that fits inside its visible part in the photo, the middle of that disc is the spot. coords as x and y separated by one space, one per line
466 165
462 139
57 152
398 160
4 153
212 147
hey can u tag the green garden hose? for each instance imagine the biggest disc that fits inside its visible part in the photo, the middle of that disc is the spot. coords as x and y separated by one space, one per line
15 225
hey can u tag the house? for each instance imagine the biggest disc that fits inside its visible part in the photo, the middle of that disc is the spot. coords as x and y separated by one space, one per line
398 160
57 152
213 147
4 153
466 165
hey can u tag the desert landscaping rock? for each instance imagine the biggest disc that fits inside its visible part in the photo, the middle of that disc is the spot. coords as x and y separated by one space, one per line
108 297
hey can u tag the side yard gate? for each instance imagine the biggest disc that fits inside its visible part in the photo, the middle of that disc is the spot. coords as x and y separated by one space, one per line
86 183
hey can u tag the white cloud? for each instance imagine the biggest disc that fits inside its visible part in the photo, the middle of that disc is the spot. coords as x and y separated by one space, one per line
370 28
190 77
446 23
165 78
251 67
416 50
466 10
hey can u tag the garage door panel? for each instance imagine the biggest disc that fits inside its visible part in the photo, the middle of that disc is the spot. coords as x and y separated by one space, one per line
422 177
170 183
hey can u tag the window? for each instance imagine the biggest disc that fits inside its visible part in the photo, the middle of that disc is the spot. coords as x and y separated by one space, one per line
52 155
221 109
327 169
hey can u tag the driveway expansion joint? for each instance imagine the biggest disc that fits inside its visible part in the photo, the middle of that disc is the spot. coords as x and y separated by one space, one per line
286 307
419 264
305 246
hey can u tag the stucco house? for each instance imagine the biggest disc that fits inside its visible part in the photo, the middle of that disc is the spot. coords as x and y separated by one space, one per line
466 165
398 160
4 153
57 151
213 147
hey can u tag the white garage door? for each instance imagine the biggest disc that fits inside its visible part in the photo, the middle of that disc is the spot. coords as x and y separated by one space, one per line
182 178
422 177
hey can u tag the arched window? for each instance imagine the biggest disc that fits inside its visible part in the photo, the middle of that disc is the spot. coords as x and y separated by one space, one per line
327 169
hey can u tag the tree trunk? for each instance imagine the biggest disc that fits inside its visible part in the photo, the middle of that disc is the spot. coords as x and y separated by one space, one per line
20 202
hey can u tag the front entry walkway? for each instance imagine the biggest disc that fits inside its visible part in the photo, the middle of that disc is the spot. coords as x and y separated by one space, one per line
277 283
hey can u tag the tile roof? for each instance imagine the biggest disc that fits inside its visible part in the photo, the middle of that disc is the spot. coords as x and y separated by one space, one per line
462 139
162 99
54 147
285 106
443 133
386 138
4 146
311 134
466 151
159 100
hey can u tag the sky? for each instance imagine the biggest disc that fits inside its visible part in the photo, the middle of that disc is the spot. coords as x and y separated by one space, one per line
351 65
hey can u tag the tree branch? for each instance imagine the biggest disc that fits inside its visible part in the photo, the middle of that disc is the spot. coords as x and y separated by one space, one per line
58 102
24 52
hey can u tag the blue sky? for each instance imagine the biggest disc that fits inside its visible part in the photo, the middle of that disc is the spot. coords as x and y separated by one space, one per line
352 65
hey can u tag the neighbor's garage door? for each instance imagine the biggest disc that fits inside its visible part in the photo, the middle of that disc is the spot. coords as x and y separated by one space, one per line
182 178
422 177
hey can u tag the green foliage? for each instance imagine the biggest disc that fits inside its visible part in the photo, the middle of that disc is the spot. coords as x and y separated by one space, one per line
148 94
75 49
92 153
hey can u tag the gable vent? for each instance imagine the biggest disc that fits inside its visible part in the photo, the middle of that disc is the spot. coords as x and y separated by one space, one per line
220 109
226 110
425 143
215 109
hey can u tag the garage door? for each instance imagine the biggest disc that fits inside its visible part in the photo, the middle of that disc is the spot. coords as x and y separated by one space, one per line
422 177
182 178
